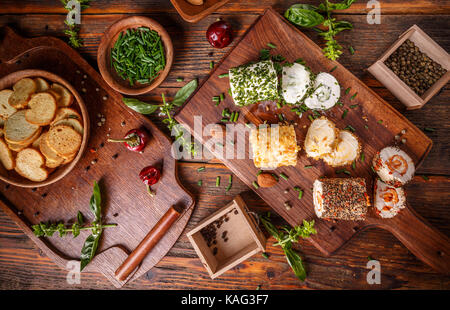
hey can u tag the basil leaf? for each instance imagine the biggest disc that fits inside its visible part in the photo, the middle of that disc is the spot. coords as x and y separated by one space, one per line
183 94
140 106
95 202
295 261
336 6
80 219
304 17
89 248
338 26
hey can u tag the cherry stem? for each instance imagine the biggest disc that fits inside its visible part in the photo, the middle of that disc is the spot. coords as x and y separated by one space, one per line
150 192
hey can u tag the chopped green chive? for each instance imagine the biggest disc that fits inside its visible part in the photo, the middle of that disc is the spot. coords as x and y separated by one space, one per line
354 165
352 51
380 121
354 96
180 79
429 129
345 113
425 177
275 177
217 181
226 112
348 90
271 45
221 97
221 76
353 106
308 167
264 254
200 183
216 98
349 127
334 68
340 103
311 118
365 126
255 185
280 117
211 64
224 120
284 176
236 116
300 194
229 92
259 172
343 171
363 157
373 169
201 169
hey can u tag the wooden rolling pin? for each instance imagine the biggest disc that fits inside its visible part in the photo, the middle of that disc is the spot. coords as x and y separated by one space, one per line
147 244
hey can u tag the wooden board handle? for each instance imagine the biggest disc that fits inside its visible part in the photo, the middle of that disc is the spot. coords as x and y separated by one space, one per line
147 244
424 241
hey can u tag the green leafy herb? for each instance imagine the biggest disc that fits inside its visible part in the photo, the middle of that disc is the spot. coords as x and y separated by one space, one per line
201 169
284 176
286 237
217 181
180 79
352 51
73 31
200 183
350 127
264 54
429 129
221 76
271 45
334 68
304 15
425 177
90 245
166 109
344 114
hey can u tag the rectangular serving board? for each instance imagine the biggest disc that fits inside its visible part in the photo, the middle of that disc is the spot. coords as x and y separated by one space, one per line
376 123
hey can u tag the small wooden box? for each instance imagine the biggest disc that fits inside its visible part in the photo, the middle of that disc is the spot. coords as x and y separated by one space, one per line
193 13
402 91
243 238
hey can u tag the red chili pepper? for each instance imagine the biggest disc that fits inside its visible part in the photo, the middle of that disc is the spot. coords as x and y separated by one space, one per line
134 140
150 175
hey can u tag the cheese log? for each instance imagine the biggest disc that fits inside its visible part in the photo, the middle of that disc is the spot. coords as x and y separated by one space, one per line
253 83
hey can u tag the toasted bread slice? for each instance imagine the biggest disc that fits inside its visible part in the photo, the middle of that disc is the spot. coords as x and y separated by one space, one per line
6 110
74 123
64 140
54 94
63 113
16 147
6 157
23 89
48 152
30 164
42 109
41 85
36 142
69 159
18 130
66 97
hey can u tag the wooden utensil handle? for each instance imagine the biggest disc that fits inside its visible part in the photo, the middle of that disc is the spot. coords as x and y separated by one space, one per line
424 241
147 244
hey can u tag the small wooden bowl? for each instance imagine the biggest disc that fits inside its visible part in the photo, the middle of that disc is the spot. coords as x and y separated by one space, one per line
14 178
110 75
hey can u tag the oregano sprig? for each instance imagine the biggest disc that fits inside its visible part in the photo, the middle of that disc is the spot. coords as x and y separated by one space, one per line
286 237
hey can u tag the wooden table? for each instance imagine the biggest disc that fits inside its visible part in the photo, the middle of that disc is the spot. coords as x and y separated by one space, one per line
23 266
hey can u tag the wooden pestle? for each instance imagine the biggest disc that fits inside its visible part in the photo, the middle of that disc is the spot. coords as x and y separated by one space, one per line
147 244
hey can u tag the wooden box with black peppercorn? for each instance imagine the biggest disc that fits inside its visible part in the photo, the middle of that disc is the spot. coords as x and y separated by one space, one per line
414 68
227 238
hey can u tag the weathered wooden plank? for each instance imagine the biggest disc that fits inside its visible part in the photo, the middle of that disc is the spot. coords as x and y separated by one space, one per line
23 266
233 7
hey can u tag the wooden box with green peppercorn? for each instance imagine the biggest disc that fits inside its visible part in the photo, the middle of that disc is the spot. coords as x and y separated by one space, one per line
227 237
414 68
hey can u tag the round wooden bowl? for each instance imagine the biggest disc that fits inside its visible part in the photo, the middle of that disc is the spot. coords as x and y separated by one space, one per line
14 178
107 42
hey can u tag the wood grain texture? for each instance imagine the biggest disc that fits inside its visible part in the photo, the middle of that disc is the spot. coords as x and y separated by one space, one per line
370 111
23 266
126 201
194 13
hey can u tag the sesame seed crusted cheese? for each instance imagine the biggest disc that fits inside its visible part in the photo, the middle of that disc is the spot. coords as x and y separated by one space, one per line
342 199
252 83
274 146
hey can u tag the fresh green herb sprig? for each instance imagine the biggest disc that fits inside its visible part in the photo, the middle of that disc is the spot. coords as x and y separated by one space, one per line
166 109
309 16
286 237
96 227
73 31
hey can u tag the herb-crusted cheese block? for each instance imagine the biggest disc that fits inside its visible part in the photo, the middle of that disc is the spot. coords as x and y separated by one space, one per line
252 83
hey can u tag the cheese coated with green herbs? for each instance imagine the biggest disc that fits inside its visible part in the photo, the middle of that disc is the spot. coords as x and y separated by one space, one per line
254 82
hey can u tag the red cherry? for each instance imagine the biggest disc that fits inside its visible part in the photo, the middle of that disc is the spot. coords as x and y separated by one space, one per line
219 34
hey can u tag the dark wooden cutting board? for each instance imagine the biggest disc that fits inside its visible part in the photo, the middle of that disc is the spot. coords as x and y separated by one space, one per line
126 201
375 121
